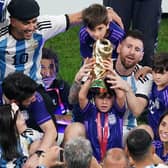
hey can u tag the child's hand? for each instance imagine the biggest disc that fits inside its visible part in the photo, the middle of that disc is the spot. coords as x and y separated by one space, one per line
85 70
141 73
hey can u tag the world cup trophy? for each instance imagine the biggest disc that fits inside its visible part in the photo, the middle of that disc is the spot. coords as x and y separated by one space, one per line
102 50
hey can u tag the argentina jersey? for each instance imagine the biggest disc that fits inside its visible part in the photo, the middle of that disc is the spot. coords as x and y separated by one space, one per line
25 55
141 88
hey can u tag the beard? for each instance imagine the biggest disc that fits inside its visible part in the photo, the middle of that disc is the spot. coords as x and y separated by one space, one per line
126 64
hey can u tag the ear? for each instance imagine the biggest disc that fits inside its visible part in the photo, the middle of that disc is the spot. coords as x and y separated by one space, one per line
118 48
141 57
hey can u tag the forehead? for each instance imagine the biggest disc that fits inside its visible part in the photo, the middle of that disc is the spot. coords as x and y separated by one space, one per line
133 41
47 62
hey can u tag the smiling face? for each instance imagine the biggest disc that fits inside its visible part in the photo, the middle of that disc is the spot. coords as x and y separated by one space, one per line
23 29
163 129
104 102
130 52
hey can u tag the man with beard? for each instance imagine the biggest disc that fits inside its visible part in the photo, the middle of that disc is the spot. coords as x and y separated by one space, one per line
22 90
130 53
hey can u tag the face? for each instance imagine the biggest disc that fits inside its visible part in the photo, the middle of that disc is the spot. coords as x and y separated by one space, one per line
98 32
161 79
20 121
104 104
163 129
48 68
23 29
130 52
28 101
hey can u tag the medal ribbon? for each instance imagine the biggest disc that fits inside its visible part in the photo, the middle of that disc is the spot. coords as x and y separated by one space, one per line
59 99
102 133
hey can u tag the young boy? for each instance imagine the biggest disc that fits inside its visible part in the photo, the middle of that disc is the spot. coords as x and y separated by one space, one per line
159 94
103 118
97 26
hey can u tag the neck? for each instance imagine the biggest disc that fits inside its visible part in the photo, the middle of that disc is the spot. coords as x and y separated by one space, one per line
121 70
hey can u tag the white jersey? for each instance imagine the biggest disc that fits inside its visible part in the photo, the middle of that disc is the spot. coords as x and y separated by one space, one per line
160 165
141 88
25 55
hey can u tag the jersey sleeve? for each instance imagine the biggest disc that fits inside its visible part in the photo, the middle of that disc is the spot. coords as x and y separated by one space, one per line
144 86
50 26
39 111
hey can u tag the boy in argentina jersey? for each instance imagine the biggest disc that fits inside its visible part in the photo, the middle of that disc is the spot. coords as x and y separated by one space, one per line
159 94
97 26
102 116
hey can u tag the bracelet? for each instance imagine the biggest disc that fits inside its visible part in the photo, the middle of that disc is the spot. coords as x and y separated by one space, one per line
108 7
40 153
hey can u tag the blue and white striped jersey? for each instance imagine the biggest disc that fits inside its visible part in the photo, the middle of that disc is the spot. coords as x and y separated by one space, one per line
141 88
25 55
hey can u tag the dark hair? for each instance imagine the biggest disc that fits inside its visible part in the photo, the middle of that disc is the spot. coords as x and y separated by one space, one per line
8 133
160 62
96 91
138 143
137 34
95 15
163 116
18 86
50 54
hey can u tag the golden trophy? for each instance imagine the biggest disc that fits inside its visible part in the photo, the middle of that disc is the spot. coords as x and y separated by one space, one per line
102 50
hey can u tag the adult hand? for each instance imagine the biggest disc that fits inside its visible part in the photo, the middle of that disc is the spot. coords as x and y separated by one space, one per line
113 16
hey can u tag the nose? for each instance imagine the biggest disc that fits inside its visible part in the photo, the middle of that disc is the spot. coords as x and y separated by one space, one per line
45 72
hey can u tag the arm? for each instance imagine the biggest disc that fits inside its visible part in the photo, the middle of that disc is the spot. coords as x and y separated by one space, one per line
84 71
141 73
47 141
135 104
76 18
83 100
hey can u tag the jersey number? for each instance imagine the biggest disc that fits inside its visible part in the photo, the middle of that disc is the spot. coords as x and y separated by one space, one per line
20 59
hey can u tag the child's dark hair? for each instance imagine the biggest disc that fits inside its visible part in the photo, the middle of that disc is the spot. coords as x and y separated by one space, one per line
160 62
95 15
96 91
9 136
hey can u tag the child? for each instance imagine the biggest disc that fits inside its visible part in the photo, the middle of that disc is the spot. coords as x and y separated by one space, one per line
103 118
15 137
159 94
97 26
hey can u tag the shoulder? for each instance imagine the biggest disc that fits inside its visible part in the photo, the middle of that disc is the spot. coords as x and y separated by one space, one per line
4 28
116 30
84 35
